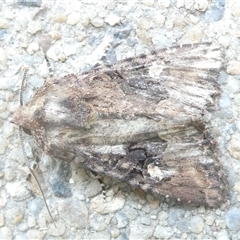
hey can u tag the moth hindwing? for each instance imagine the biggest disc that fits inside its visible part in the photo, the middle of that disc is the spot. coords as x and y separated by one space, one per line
140 120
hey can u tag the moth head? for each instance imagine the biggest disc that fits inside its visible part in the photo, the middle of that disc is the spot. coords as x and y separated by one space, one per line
23 118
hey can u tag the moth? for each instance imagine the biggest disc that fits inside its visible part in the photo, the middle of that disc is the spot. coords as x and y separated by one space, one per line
141 120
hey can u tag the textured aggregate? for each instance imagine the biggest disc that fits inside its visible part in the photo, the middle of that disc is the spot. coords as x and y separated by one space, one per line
76 36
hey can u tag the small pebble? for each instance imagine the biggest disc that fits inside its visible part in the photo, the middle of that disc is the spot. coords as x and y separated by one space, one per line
56 229
93 189
218 212
232 219
180 3
115 204
153 217
97 22
164 3
17 190
233 146
122 220
233 67
43 70
216 11
223 78
225 101
210 220
20 236
111 5
193 35
34 27
145 221
32 48
146 208
232 85
162 216
196 224
193 19
201 209
55 35
31 221
34 234
6 233
3 145
224 41
42 222
173 217
159 19
183 225
9 174
225 113
8 129
30 3
2 220
237 186
73 18
60 18
75 213
201 5
222 235
4 24
139 231
188 4
235 9
112 20
180 21
17 218
144 24
154 204
69 50
131 213
115 233
161 41
163 232
51 53
169 24
220 223
144 37
237 99
99 226
3 197
3 58
99 235
148 2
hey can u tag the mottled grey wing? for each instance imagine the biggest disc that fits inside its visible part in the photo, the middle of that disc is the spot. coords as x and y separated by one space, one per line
180 79
184 169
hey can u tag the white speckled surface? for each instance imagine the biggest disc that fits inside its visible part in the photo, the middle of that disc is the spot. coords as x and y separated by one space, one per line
83 33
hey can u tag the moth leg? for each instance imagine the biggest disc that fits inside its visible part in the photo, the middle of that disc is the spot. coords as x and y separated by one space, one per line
29 178
99 178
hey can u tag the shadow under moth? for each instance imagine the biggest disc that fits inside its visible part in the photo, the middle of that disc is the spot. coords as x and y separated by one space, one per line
140 120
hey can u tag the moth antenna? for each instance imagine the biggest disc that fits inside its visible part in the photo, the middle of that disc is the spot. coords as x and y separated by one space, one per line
49 66
23 149
22 86
44 199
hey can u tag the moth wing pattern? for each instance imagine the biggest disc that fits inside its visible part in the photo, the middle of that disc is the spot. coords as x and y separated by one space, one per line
140 120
